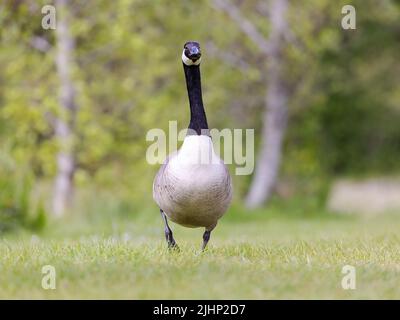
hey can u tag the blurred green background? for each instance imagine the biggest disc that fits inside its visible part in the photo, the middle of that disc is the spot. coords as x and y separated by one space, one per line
343 112
126 71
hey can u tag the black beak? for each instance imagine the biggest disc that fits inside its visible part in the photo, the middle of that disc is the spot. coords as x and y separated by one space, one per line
194 54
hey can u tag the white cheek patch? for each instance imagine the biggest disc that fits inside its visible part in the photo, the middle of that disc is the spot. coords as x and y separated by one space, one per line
189 62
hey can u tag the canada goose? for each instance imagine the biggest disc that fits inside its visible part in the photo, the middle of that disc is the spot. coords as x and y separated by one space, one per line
193 187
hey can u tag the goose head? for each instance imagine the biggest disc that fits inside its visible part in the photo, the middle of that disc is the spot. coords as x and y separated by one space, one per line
191 54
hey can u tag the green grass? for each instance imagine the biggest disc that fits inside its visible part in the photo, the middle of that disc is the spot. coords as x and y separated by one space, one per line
251 256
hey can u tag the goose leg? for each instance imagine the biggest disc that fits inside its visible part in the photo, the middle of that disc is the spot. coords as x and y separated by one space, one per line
206 237
168 232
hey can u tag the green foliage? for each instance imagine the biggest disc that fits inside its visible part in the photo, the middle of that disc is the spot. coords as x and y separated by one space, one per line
17 208
344 120
128 76
359 122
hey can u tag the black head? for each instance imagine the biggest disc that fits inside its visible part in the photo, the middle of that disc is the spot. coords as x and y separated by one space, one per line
191 50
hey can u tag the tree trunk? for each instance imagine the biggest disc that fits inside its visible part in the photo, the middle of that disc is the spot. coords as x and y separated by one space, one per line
65 121
275 115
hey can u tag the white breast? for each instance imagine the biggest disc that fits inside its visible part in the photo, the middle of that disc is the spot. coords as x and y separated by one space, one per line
193 187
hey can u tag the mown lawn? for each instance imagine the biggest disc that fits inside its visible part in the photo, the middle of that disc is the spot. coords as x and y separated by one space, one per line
251 256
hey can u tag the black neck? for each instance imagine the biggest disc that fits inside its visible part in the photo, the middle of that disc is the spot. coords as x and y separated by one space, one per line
198 120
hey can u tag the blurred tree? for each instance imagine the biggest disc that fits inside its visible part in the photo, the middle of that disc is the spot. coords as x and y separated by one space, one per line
276 97
64 123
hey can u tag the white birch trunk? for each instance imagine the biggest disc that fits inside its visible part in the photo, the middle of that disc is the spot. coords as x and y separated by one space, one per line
64 123
275 115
